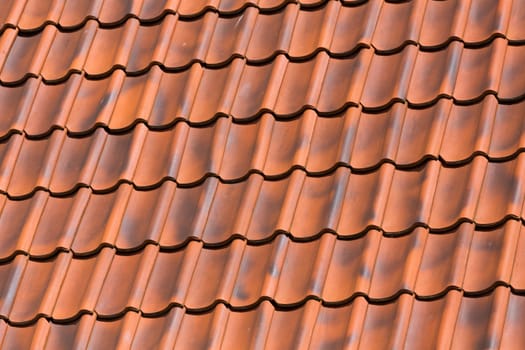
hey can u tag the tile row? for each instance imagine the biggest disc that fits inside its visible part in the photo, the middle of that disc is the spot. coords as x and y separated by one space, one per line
457 322
345 203
176 43
281 87
406 137
283 271
471 21
33 15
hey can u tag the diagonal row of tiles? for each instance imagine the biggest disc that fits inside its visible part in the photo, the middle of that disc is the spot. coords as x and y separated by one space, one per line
214 212
454 321
213 40
241 275
430 22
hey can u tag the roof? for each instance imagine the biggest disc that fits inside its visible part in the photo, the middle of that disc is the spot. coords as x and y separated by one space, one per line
262 174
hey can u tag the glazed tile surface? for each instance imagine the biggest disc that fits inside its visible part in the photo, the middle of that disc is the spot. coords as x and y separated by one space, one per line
268 174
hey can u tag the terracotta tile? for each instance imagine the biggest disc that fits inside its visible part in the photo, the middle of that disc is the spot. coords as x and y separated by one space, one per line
391 34
512 79
444 261
38 288
502 193
368 152
288 328
81 285
76 13
15 216
355 27
141 220
171 101
486 20
422 133
364 201
150 45
50 106
412 191
15 102
190 40
330 330
439 26
98 212
517 281
18 337
256 272
194 331
158 331
271 33
34 165
456 193
170 278
10 11
312 30
26 55
468 130
11 273
68 52
319 205
193 205
252 90
265 219
125 282
106 40
113 11
64 336
297 85
351 267
343 82
332 140
37 13
396 263
428 319
94 102
230 37
381 322
507 135
246 329
152 10
434 74
490 257
289 144
113 334
487 63
250 139
512 334
48 235
515 31
117 158
129 108
196 7
225 211
473 329
388 78
76 162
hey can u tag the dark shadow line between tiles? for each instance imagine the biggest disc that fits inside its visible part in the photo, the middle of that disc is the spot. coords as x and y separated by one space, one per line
276 306
185 17
353 52
275 177
251 242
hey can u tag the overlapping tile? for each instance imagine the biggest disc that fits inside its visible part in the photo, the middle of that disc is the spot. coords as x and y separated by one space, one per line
198 173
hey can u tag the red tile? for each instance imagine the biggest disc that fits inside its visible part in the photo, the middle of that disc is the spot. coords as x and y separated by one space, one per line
439 26
515 30
16 104
75 13
485 20
113 11
390 33
196 7
110 334
508 134
158 331
512 334
388 78
485 63
271 33
512 78
37 13
68 52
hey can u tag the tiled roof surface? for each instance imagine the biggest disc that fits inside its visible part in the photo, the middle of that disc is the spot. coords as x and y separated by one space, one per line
262 174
